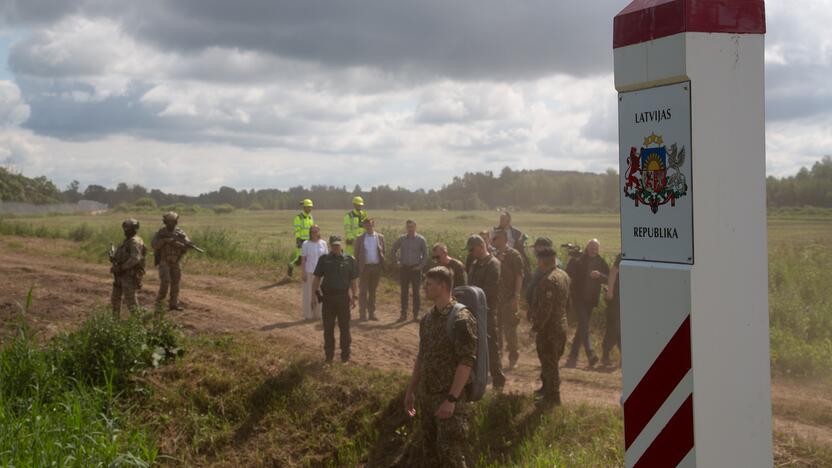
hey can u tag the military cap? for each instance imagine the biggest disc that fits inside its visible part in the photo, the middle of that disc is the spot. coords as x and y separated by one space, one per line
334 240
130 222
170 216
544 252
474 241
541 242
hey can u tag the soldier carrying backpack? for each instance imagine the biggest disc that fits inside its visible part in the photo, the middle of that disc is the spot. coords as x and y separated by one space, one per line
450 370
128 266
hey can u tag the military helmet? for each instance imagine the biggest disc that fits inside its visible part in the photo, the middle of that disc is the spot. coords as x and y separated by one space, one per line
170 216
474 241
542 242
307 202
130 223
358 201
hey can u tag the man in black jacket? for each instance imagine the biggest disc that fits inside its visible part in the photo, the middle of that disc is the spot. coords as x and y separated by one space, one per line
590 271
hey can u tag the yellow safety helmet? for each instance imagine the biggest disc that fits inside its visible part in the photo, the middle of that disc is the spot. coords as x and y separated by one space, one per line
308 202
358 201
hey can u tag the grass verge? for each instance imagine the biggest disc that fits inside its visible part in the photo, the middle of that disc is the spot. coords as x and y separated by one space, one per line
60 404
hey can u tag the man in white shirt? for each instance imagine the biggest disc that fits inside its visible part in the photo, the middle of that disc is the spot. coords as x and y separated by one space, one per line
369 254
311 251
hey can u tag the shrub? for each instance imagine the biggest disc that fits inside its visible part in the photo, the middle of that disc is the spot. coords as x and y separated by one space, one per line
81 233
58 404
122 208
145 203
224 208
255 206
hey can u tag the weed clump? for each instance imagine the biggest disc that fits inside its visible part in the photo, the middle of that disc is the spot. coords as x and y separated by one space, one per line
59 403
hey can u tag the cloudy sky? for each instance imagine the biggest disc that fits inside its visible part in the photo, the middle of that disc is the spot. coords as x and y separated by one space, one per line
188 95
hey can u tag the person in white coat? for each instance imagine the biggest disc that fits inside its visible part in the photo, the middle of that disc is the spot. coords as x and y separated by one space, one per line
311 251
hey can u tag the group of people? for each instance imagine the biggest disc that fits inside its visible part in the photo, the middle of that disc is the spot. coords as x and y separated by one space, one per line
344 273
496 262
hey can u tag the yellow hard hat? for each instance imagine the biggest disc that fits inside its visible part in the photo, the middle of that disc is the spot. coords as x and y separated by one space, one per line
308 202
358 201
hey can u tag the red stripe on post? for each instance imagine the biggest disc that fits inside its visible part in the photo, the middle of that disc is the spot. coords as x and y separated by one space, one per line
674 442
658 383
646 20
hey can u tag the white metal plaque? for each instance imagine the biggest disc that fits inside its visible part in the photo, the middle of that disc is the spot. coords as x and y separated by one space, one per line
655 173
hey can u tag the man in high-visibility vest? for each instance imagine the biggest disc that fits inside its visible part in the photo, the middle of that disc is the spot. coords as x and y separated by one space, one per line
302 223
354 223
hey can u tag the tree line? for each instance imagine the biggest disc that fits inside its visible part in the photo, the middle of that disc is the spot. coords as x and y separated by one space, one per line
809 187
534 190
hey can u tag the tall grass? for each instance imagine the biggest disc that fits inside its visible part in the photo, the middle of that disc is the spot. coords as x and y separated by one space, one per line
220 245
800 309
59 403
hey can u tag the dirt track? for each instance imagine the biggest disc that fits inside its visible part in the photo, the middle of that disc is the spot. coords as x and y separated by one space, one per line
67 290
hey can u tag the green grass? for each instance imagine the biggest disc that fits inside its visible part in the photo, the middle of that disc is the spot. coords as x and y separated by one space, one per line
800 305
250 400
61 403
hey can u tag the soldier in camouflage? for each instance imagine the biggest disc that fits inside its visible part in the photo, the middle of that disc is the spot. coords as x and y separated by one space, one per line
484 273
169 246
128 268
438 384
547 313
511 286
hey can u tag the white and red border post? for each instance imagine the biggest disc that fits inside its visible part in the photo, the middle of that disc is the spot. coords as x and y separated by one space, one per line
694 304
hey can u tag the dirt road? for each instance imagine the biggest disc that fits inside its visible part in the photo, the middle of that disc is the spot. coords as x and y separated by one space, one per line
67 290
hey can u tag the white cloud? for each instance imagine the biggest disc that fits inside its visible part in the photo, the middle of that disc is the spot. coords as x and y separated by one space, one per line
227 95
13 110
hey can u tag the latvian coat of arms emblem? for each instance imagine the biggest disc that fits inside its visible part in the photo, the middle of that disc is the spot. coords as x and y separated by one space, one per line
654 173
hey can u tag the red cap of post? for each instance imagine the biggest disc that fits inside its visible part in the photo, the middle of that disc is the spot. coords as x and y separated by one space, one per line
646 20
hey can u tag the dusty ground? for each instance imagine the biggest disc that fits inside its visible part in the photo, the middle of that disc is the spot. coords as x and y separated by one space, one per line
66 290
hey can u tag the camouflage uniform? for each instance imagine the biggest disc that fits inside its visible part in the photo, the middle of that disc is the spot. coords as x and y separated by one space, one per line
444 441
460 278
169 248
547 313
128 263
485 274
511 264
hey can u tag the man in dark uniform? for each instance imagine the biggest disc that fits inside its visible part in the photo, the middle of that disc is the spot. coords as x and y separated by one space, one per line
612 334
547 313
511 286
591 271
438 384
337 276
484 273
441 258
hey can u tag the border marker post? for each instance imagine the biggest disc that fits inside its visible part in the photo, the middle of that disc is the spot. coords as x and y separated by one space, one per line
694 295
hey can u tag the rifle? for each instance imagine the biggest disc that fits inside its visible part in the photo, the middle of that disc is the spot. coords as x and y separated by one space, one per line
111 254
179 237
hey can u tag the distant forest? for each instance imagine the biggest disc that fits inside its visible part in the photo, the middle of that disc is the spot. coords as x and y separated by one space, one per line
534 190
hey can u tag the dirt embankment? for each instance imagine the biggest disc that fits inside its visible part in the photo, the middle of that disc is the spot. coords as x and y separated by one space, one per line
67 290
